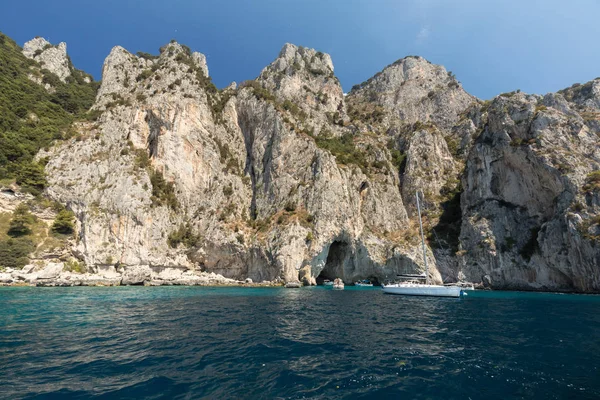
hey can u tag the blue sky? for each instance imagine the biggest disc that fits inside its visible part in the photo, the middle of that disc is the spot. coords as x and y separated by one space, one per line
492 46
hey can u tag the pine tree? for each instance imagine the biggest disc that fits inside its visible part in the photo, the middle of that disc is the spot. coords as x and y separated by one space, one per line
64 223
20 224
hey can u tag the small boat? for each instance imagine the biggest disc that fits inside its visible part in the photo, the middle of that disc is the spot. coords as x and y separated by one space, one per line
463 285
327 282
416 288
338 284
364 282
420 289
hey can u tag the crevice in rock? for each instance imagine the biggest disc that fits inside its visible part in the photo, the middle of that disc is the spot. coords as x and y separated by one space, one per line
446 233
363 186
248 123
155 124
248 134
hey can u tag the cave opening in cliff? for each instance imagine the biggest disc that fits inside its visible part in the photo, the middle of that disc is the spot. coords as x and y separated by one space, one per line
336 258
447 231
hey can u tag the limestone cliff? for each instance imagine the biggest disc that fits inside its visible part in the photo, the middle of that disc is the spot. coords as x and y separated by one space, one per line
53 58
530 205
283 178
247 170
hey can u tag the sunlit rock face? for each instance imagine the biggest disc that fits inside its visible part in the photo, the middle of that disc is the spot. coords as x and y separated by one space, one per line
53 58
283 178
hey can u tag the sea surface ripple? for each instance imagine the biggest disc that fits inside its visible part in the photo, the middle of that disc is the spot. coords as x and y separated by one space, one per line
264 343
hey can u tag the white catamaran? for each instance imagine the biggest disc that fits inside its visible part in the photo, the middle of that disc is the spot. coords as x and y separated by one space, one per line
422 289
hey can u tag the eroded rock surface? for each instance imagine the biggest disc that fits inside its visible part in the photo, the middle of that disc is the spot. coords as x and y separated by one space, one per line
51 57
284 179
530 205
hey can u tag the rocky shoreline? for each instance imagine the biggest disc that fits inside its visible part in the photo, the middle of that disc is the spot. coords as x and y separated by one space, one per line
55 275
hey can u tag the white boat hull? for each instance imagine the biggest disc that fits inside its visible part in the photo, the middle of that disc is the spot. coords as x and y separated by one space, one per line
423 290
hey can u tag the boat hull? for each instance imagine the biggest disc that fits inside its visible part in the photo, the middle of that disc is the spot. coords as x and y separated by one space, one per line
423 290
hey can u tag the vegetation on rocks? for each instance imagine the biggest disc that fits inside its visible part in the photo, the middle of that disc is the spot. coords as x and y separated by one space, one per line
31 117
183 235
344 149
14 253
398 158
31 177
163 192
21 222
16 240
592 181
75 266
63 224
259 91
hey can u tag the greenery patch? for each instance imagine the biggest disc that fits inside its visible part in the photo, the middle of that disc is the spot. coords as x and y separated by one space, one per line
31 118
163 192
344 149
183 235
592 181
63 224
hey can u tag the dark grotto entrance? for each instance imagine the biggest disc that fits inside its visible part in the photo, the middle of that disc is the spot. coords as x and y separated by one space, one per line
339 253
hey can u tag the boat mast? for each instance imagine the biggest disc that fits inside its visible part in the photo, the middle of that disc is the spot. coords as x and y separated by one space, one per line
422 241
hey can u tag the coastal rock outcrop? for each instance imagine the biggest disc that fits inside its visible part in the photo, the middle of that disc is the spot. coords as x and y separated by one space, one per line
244 176
57 274
284 179
530 209
414 90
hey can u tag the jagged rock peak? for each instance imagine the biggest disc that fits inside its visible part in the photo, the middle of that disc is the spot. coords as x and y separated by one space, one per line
172 49
305 77
586 95
123 71
413 89
298 57
410 68
52 58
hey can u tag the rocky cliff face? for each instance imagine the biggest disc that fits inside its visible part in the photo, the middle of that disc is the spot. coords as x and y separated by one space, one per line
53 58
241 171
284 178
530 203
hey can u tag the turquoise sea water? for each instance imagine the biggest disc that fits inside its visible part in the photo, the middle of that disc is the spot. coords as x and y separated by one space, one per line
218 343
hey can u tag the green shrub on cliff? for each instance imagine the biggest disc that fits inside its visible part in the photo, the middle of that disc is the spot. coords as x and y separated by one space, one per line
184 235
63 223
21 222
14 252
16 237
163 192
31 177
146 56
343 148
259 91
592 181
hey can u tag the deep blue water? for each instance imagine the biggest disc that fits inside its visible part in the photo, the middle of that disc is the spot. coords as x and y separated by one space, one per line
238 343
